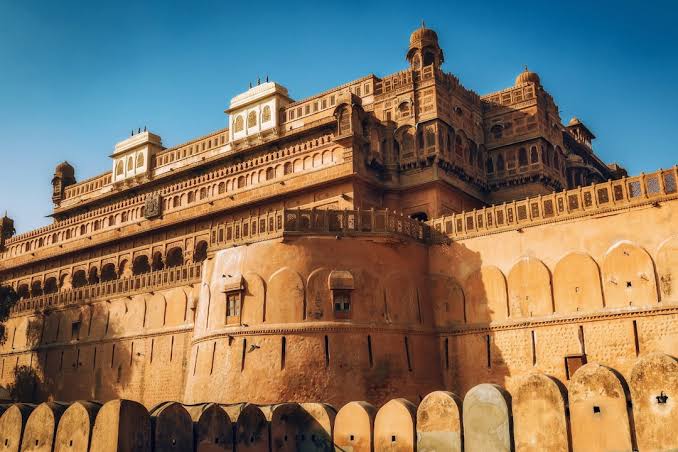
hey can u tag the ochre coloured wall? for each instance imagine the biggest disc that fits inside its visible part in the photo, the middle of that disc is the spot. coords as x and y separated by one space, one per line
252 430
213 429
75 427
530 288
487 419
628 276
395 427
12 426
353 427
486 295
576 284
172 428
41 427
598 410
122 426
439 423
654 391
667 269
539 422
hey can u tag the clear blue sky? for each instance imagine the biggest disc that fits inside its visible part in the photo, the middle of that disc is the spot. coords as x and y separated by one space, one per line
76 77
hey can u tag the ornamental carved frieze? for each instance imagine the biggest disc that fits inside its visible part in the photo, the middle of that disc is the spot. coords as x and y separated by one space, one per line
153 206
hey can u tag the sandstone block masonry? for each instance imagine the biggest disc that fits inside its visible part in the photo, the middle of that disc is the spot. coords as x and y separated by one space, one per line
367 247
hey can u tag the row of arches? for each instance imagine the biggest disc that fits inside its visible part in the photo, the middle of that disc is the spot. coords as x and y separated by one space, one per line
549 156
106 217
140 265
626 276
171 155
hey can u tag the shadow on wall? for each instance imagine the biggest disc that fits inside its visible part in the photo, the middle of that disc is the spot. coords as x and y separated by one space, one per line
469 294
61 368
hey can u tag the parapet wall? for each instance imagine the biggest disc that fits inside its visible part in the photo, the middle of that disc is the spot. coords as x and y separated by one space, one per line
598 410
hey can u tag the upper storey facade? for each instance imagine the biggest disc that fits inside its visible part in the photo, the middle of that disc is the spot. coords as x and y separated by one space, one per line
416 141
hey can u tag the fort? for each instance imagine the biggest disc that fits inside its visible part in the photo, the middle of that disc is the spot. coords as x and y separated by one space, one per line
397 263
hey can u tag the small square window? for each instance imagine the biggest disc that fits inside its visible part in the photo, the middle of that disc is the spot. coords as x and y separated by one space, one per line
232 307
342 303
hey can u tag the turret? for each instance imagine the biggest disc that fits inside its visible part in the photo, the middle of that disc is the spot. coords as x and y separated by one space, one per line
6 230
424 49
64 175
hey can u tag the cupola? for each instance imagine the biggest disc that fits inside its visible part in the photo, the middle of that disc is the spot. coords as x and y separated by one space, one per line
64 175
424 49
527 77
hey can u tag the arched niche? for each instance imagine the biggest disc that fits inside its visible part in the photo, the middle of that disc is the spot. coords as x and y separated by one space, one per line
529 289
576 284
156 311
285 297
487 419
176 306
353 427
401 299
439 423
41 427
539 421
598 410
448 300
395 427
654 391
628 276
486 296
75 426
667 269
318 296
252 430
122 425
254 299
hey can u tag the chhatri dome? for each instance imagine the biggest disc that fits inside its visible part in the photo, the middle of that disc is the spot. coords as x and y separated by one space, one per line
424 49
527 77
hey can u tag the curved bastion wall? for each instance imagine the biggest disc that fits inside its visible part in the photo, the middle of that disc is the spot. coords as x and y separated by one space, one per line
290 341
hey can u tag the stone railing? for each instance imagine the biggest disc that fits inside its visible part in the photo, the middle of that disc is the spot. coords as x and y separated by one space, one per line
567 204
290 222
88 186
184 274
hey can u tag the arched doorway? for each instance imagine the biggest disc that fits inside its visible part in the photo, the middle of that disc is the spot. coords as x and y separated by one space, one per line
175 257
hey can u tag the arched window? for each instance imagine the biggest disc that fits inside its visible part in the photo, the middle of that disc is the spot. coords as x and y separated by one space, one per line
123 271
500 162
344 121
430 137
403 110
140 159
23 292
429 58
108 273
124 217
458 147
119 168
111 220
522 157
79 279
93 277
200 253
36 289
270 173
239 124
175 257
191 197
251 119
421 216
203 193
50 285
222 188
176 202
408 143
130 163
83 230
534 155
266 114
241 181
157 261
141 265
490 165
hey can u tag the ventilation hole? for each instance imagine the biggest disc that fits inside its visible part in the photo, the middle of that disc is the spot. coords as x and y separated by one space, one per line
174 442
216 440
628 284
252 439
70 443
352 438
596 409
393 438
285 438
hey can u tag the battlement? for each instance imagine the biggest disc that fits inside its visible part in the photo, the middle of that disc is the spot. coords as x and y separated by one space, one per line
569 204
598 407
